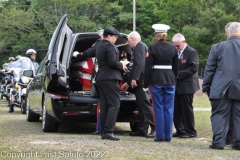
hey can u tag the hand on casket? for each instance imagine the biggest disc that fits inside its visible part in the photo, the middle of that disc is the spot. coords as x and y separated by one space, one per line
125 62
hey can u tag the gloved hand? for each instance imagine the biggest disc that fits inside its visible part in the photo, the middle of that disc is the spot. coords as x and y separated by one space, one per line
145 89
125 62
75 53
206 90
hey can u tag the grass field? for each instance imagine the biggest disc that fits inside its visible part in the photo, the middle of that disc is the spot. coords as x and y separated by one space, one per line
75 141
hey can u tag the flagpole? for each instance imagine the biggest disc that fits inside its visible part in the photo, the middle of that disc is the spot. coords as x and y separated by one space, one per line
134 15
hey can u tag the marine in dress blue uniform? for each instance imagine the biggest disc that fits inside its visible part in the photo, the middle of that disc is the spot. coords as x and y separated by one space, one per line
161 68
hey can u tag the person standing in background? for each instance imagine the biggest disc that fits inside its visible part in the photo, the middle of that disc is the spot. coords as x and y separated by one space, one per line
187 85
161 68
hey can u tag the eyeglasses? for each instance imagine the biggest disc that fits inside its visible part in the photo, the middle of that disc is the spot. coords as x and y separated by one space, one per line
178 45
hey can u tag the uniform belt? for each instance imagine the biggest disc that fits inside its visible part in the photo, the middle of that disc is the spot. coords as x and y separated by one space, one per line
162 67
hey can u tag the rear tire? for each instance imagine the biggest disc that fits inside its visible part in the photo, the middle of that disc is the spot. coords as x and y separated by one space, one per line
31 117
49 124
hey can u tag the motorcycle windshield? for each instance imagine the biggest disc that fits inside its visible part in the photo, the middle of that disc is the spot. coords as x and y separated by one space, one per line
24 63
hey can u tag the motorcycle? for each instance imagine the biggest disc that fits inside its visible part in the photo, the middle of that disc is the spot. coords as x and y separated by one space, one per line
23 75
5 86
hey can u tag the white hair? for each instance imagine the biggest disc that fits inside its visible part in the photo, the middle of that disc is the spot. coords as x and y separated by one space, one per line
234 27
178 37
135 35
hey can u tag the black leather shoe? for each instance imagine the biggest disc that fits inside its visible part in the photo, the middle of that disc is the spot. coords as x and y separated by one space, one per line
193 135
235 147
159 140
136 134
110 136
185 136
97 132
152 134
175 135
216 147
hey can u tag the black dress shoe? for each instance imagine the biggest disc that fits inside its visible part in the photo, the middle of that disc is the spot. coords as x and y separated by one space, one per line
136 134
159 140
110 136
235 147
216 147
97 132
152 134
185 136
162 140
175 135
193 135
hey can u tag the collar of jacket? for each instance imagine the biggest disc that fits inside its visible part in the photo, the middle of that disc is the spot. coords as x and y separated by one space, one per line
162 40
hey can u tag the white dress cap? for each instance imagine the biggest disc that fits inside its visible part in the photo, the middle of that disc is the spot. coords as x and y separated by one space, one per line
160 28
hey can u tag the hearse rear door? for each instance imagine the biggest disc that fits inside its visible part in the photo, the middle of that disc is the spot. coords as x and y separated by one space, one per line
58 52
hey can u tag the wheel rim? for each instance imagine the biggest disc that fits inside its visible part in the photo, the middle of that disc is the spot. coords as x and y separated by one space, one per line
44 116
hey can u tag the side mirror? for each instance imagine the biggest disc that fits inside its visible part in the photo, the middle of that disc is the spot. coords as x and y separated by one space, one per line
28 73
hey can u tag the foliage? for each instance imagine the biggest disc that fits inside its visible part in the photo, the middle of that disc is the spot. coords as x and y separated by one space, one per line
30 23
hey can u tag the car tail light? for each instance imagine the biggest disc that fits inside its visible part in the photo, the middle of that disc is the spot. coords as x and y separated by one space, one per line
59 96
71 113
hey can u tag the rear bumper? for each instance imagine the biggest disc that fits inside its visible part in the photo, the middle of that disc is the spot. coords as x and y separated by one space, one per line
79 108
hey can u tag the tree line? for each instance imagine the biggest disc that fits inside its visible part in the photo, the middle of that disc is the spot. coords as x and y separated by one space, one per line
30 23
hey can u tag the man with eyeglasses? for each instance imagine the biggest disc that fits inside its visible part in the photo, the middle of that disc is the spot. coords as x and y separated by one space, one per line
187 85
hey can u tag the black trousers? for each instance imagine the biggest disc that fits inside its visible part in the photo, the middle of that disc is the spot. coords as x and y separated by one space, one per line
110 103
183 114
144 110
222 111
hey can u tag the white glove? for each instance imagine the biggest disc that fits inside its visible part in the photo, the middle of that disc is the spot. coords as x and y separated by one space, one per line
75 53
145 89
125 62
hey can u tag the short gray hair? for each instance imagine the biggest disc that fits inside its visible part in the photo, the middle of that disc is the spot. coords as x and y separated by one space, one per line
135 35
234 27
178 37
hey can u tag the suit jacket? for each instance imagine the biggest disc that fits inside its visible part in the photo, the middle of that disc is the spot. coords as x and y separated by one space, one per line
139 56
187 82
90 52
108 62
222 73
161 53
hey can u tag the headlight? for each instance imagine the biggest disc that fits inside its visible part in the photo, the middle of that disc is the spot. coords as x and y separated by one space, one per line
25 79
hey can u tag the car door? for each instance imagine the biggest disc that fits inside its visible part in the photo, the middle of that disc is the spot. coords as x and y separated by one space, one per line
58 49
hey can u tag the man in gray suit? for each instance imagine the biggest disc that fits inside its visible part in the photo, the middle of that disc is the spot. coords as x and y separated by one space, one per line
187 85
222 84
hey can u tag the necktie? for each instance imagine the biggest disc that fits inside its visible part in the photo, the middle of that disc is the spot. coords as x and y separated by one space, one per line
179 54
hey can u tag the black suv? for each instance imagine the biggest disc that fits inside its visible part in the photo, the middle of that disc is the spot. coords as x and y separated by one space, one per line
57 96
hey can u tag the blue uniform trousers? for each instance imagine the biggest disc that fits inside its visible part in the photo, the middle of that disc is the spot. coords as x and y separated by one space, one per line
163 107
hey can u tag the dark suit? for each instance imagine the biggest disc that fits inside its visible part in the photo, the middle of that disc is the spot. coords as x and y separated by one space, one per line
107 80
90 52
187 85
142 98
221 81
